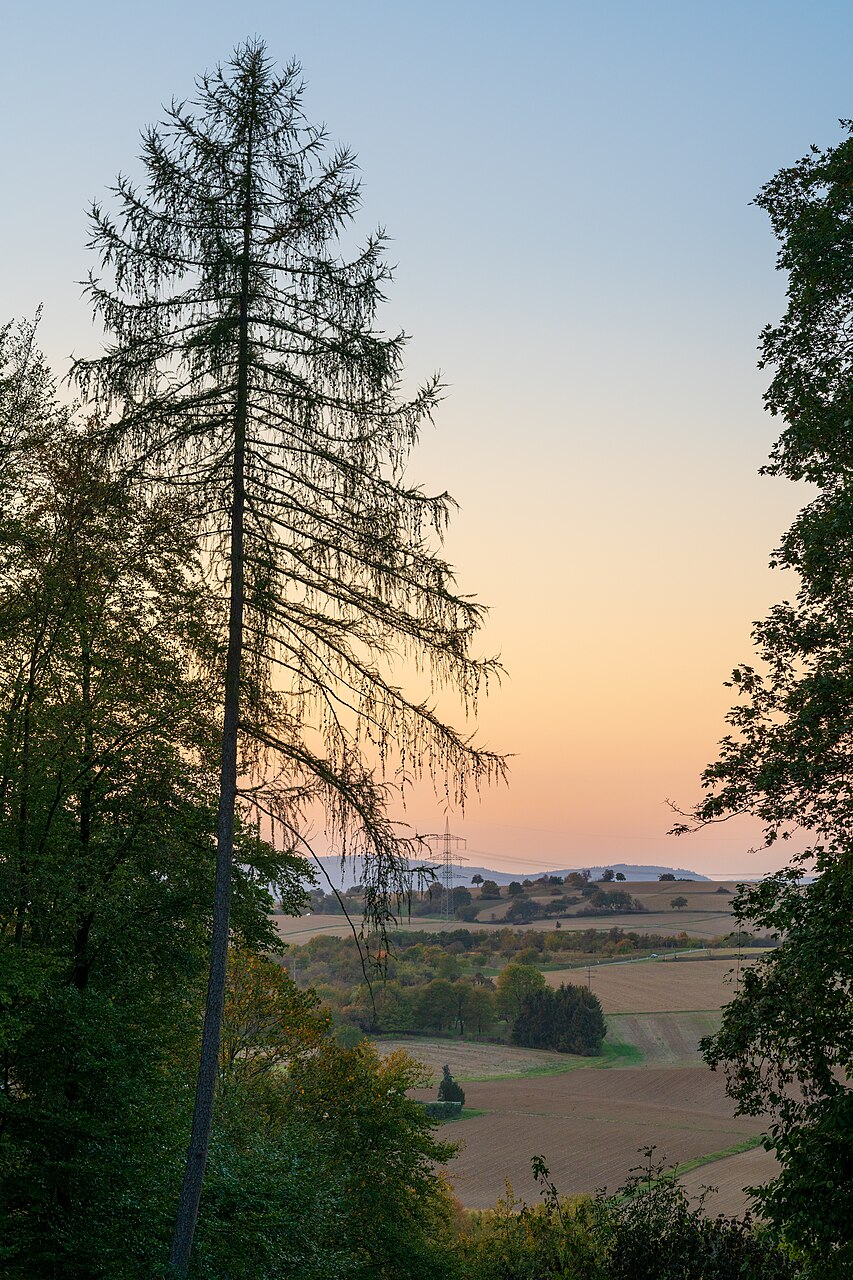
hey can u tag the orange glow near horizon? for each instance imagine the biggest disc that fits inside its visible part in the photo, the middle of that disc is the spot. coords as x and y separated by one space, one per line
582 262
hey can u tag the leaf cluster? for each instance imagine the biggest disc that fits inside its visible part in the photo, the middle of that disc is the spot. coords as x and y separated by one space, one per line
788 760
648 1230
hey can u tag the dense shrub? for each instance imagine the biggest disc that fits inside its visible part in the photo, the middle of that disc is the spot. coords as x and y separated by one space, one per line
448 1089
569 1020
523 909
651 1232
443 1110
604 902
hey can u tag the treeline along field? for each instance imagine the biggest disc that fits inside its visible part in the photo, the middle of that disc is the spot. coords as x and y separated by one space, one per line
458 980
704 908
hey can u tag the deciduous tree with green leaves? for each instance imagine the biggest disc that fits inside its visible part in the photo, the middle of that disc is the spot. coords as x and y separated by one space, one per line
107 767
244 369
786 1041
515 982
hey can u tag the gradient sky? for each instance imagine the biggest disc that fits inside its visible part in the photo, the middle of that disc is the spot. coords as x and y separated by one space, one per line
568 188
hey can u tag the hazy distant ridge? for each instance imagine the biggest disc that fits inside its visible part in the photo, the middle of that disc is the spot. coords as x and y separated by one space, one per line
462 875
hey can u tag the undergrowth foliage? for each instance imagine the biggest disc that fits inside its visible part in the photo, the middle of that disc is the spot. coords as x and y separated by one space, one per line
648 1230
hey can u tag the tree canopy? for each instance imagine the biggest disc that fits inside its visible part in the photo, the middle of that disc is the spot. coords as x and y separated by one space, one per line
568 1019
215 582
786 1038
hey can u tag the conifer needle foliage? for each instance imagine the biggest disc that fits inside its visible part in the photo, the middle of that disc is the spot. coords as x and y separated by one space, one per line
245 367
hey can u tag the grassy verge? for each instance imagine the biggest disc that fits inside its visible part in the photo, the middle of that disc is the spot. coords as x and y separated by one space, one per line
558 1069
748 1144
617 1053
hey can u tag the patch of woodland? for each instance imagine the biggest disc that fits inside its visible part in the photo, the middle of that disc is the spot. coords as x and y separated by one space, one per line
457 982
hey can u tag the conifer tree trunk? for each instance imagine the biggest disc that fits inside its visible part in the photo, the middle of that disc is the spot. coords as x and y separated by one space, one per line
246 369
187 1213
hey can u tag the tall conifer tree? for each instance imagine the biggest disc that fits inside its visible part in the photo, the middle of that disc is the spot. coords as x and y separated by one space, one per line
245 367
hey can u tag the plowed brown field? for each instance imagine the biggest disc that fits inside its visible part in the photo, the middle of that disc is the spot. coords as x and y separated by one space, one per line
729 1177
589 1124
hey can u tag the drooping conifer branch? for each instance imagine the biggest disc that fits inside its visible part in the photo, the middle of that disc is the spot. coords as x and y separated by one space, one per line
245 368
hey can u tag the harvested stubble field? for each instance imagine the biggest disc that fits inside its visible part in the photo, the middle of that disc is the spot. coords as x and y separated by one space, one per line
656 986
664 1039
589 1125
471 1061
699 924
656 895
707 914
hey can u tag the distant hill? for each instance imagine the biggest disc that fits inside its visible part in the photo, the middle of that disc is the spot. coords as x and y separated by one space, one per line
633 871
462 875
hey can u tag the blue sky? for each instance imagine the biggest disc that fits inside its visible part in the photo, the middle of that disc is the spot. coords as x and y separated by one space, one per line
568 190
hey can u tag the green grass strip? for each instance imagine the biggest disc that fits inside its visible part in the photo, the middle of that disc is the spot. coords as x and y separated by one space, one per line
673 1174
558 1069
748 1144
618 1053
612 1055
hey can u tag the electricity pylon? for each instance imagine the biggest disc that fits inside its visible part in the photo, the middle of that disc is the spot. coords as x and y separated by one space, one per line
445 845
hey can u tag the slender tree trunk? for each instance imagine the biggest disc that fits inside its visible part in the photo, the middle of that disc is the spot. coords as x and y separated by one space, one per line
23 802
80 964
187 1214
